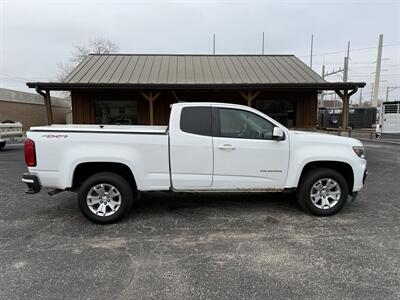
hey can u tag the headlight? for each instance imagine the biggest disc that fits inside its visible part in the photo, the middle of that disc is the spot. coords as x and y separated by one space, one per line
359 151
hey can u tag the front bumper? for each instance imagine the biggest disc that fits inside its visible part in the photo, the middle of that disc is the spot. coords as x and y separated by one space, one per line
32 181
355 194
365 176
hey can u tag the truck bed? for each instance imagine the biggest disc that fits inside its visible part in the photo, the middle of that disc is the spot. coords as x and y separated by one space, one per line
60 149
103 128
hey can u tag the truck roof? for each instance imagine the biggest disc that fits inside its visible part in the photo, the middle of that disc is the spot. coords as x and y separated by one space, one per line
102 128
215 104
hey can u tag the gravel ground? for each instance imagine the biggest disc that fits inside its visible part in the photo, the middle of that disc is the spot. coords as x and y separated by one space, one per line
202 246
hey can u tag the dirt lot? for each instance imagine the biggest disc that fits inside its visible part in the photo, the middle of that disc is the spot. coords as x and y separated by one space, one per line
202 246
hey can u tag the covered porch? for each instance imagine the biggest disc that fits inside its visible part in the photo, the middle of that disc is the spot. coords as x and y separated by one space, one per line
139 88
293 107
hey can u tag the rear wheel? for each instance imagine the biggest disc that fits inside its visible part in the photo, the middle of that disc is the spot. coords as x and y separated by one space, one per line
322 191
2 144
105 197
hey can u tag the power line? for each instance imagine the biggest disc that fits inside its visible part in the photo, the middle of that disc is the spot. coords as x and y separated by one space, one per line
6 77
19 79
341 51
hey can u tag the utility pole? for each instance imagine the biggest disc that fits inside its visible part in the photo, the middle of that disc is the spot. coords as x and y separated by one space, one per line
346 63
323 77
387 94
324 74
213 43
312 45
377 73
262 50
372 94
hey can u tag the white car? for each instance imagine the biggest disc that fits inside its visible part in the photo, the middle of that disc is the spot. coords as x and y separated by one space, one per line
9 131
206 147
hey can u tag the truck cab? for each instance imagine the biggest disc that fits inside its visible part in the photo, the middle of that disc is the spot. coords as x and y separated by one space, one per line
235 148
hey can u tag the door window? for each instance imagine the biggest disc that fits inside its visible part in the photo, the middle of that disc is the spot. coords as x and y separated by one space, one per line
196 120
236 123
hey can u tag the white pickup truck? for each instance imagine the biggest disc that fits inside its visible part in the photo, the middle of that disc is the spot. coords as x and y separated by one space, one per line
206 147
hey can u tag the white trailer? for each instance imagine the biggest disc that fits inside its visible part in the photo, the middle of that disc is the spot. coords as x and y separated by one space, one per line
389 118
9 131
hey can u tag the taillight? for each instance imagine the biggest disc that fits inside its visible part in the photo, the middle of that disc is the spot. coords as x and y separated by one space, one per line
30 155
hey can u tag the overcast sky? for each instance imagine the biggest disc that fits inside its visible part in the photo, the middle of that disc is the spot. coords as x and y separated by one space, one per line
36 35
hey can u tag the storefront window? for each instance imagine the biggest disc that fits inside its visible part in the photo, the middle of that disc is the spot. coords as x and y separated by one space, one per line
115 112
280 110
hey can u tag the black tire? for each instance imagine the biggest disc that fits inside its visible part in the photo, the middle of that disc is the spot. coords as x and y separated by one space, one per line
307 182
2 144
108 178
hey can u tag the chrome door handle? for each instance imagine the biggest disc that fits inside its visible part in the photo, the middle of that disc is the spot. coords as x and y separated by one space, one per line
226 147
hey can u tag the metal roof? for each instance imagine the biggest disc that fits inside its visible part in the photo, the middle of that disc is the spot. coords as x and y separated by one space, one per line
194 71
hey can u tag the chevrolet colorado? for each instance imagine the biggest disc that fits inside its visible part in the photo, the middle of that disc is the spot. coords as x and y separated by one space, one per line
206 147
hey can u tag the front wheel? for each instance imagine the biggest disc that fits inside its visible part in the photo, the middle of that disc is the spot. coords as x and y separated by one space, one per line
322 191
2 144
105 197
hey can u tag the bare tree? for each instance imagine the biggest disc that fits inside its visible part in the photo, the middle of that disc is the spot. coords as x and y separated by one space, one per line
80 52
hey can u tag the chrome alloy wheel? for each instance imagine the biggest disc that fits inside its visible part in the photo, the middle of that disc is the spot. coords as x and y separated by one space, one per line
103 199
325 193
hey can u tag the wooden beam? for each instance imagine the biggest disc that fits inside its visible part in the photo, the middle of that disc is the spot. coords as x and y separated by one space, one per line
249 96
339 93
150 97
353 92
49 111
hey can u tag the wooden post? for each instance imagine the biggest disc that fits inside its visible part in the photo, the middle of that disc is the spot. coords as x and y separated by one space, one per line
150 97
345 108
249 97
47 103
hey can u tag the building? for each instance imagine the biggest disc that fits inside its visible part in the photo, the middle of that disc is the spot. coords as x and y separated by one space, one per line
139 89
29 109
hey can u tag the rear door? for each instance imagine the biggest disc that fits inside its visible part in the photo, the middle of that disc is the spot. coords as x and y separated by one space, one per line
245 154
191 148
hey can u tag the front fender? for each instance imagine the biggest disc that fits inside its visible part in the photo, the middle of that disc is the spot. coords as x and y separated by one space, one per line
301 156
293 181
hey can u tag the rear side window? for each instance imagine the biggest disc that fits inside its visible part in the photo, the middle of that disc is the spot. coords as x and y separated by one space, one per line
196 120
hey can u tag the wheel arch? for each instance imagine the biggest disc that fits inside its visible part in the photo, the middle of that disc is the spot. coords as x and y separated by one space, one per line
86 169
342 168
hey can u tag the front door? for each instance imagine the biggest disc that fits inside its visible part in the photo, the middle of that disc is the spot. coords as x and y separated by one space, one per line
245 154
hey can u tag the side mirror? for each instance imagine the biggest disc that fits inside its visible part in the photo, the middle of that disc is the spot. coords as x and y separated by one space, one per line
278 134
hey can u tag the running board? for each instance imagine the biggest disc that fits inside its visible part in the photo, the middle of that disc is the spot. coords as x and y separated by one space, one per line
55 192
